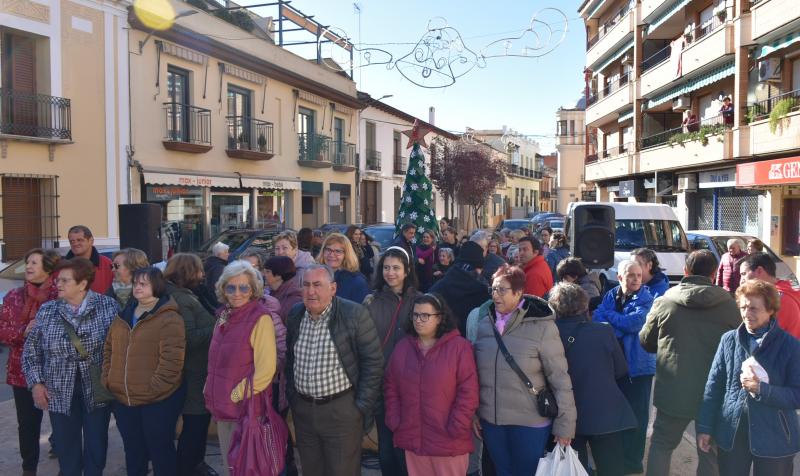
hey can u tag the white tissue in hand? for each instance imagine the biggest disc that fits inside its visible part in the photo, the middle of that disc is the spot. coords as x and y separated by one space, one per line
751 366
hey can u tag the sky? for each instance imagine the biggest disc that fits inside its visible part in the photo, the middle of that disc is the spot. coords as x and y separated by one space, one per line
521 93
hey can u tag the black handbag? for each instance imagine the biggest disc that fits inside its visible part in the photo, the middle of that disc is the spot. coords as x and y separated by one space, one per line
545 400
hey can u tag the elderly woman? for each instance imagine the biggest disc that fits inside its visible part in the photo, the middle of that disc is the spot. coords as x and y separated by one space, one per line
728 272
364 252
60 351
753 391
625 309
285 244
425 253
432 376
17 317
143 368
390 308
185 272
337 252
220 253
124 262
445 258
559 250
572 270
281 277
243 346
595 363
513 430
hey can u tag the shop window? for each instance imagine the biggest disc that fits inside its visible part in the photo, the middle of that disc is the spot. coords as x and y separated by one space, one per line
308 205
791 227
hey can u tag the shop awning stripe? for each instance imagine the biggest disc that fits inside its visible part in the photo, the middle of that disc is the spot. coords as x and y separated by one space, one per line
694 84
625 115
778 44
671 10
614 56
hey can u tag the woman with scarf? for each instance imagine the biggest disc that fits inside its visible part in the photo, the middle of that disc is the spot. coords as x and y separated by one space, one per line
365 254
123 263
426 255
17 317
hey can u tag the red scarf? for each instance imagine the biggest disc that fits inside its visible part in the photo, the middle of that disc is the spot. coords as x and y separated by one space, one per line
35 296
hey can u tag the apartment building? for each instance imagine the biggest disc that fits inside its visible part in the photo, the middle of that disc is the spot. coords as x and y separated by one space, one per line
549 193
63 121
231 130
571 154
692 103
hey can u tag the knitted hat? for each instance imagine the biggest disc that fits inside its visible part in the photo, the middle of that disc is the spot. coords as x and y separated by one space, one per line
282 266
471 253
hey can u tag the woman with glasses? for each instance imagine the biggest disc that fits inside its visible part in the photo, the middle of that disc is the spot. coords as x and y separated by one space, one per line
337 252
431 375
508 417
242 346
143 368
123 263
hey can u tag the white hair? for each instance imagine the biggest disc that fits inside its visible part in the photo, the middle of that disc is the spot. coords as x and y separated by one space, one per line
237 268
732 241
624 266
220 248
480 237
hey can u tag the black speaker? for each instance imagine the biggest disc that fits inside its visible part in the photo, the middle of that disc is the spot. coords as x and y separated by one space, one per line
140 227
592 235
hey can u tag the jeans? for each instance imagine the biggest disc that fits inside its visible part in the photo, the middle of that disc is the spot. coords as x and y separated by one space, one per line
392 460
515 450
667 434
192 443
29 424
739 459
637 391
607 453
81 438
148 433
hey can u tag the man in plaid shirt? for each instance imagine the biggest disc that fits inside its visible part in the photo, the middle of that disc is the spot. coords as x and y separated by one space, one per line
334 370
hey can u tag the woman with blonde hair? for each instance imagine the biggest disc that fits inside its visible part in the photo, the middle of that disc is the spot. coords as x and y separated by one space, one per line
285 244
338 253
124 263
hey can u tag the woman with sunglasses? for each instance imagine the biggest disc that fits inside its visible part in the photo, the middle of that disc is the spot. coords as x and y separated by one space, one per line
432 376
123 263
338 253
243 345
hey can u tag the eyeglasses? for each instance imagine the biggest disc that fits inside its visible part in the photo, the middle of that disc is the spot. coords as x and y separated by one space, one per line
64 280
243 289
116 265
501 291
422 317
333 251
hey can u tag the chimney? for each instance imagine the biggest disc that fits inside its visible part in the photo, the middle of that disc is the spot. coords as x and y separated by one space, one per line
432 116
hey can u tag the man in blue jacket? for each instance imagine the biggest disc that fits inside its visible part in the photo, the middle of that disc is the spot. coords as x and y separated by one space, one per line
625 308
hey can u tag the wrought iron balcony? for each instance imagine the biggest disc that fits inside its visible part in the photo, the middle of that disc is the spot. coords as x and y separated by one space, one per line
26 115
344 156
186 128
314 150
249 138
399 165
373 160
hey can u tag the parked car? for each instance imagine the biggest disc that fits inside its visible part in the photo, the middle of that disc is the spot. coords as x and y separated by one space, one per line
538 220
556 224
337 227
240 239
514 224
717 242
381 233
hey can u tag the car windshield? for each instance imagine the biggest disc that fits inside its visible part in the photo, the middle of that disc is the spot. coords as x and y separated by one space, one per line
557 224
234 239
658 235
15 270
383 235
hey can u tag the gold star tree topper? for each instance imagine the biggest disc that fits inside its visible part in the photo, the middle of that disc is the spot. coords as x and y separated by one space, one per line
417 134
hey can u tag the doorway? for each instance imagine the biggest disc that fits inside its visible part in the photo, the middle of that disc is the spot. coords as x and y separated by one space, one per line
229 210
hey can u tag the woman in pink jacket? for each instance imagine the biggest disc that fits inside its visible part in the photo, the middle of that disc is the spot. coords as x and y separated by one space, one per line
431 392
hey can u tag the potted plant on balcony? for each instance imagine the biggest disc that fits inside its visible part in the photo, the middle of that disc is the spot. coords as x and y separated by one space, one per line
720 11
320 146
688 32
262 143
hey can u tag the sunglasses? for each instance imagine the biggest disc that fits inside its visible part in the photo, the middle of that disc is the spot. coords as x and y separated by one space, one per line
232 288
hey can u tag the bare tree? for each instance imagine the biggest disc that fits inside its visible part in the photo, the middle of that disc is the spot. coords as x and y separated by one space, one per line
444 172
477 175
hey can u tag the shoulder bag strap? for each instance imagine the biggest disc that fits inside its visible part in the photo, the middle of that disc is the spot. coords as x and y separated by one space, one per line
391 330
76 342
511 362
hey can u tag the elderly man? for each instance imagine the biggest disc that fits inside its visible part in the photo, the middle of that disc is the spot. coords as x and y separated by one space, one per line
684 328
538 277
728 271
214 265
334 368
81 245
625 308
492 262
761 266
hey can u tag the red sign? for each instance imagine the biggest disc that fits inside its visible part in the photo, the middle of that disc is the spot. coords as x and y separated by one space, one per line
768 172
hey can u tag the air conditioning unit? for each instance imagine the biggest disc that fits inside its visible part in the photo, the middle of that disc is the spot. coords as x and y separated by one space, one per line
769 69
681 103
687 183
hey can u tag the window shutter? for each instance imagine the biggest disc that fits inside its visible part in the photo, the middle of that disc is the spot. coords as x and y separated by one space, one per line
22 226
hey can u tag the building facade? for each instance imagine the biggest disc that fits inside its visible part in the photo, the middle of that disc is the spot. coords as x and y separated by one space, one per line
550 191
571 155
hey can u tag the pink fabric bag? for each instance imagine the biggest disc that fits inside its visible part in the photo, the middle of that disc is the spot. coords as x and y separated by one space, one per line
258 444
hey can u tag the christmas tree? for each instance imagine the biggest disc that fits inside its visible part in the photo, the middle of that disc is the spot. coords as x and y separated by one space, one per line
416 204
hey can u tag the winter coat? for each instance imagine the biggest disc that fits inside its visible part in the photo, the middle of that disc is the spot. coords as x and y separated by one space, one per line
493 263
425 271
365 258
658 284
103 272
274 308
463 291
590 284
19 308
627 323
684 328
432 397
383 305
213 268
303 259
401 242
143 362
531 337
441 269
789 314
359 350
538 277
773 425
554 257
596 362
288 294
199 326
728 273
50 358
351 286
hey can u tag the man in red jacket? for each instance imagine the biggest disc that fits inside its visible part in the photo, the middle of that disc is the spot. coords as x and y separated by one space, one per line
538 277
761 266
81 244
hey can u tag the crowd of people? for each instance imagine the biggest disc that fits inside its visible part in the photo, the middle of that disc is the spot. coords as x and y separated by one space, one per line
471 356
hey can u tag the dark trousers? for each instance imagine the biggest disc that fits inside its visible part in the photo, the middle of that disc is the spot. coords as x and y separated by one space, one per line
607 452
739 459
29 425
391 459
192 443
148 433
515 450
667 433
81 438
637 391
329 436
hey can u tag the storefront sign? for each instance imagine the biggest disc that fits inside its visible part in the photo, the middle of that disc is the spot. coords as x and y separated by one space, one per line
270 183
769 172
191 180
717 178
165 193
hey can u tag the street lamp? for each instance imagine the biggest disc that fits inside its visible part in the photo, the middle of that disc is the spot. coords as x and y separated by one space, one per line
182 14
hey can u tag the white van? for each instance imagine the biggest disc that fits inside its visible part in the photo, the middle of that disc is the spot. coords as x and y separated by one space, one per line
644 225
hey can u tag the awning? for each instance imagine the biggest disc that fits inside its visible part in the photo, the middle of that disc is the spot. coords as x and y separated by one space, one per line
275 183
769 172
778 44
625 115
671 10
312 188
596 7
614 56
693 84
190 179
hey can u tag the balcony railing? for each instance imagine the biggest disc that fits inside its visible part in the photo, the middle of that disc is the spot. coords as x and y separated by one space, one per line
656 58
762 109
615 85
590 159
607 26
704 128
373 160
314 149
399 165
701 31
35 115
344 155
618 150
187 124
249 134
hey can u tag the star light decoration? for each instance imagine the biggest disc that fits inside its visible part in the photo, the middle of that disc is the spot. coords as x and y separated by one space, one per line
417 134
